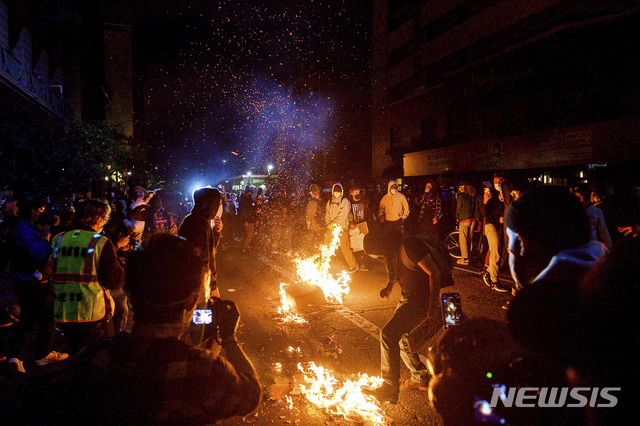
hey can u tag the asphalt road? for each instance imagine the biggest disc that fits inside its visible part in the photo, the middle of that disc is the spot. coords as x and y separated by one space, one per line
342 338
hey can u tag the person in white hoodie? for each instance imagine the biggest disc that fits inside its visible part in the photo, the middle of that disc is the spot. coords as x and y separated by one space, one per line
394 209
337 214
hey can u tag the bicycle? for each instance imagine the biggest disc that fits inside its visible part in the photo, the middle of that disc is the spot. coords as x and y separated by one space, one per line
479 243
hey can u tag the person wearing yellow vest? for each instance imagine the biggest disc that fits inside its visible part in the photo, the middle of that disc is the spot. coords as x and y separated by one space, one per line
85 267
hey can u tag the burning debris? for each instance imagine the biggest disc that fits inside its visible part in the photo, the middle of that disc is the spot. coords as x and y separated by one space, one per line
287 311
315 270
316 285
345 399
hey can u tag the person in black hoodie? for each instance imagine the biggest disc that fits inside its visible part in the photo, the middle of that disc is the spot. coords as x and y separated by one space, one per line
197 229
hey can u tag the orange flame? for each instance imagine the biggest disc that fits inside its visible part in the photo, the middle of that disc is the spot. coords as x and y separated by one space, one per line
286 311
344 399
315 270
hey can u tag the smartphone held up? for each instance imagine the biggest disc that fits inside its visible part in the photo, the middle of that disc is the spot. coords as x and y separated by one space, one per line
451 309
202 316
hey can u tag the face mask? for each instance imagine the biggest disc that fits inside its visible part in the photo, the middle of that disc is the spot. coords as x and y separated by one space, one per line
498 186
337 194
393 191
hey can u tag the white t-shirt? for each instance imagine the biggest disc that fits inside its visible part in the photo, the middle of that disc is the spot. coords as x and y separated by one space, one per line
137 225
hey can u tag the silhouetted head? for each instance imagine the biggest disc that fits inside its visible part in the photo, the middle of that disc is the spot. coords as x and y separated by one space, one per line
164 279
380 244
540 223
207 201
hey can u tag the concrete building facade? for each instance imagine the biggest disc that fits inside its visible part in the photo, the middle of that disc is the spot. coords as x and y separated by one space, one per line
67 62
27 77
473 86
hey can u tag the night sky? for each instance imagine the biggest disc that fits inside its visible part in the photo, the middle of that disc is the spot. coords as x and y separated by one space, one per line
245 81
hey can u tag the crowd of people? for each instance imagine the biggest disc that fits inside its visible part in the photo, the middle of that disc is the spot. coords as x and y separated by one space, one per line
570 325
98 269
124 310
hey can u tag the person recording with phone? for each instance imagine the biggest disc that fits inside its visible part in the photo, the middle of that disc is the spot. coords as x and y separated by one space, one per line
151 375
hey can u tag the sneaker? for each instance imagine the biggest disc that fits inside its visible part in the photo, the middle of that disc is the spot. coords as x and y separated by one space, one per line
384 393
486 278
462 261
51 358
352 270
15 366
411 385
496 286
364 268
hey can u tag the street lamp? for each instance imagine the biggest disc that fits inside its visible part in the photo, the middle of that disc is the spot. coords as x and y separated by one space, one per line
269 168
249 175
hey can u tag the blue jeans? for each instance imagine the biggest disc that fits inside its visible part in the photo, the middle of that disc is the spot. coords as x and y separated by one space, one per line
394 345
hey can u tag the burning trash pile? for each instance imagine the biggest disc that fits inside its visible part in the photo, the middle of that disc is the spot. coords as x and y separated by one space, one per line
315 283
316 383
315 270
344 399
337 396
287 311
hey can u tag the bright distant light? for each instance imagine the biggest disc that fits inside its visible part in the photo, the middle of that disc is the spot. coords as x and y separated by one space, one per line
224 161
248 173
197 186
270 167
106 178
129 173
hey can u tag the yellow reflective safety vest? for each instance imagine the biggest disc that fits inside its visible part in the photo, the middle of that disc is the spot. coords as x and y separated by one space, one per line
78 296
